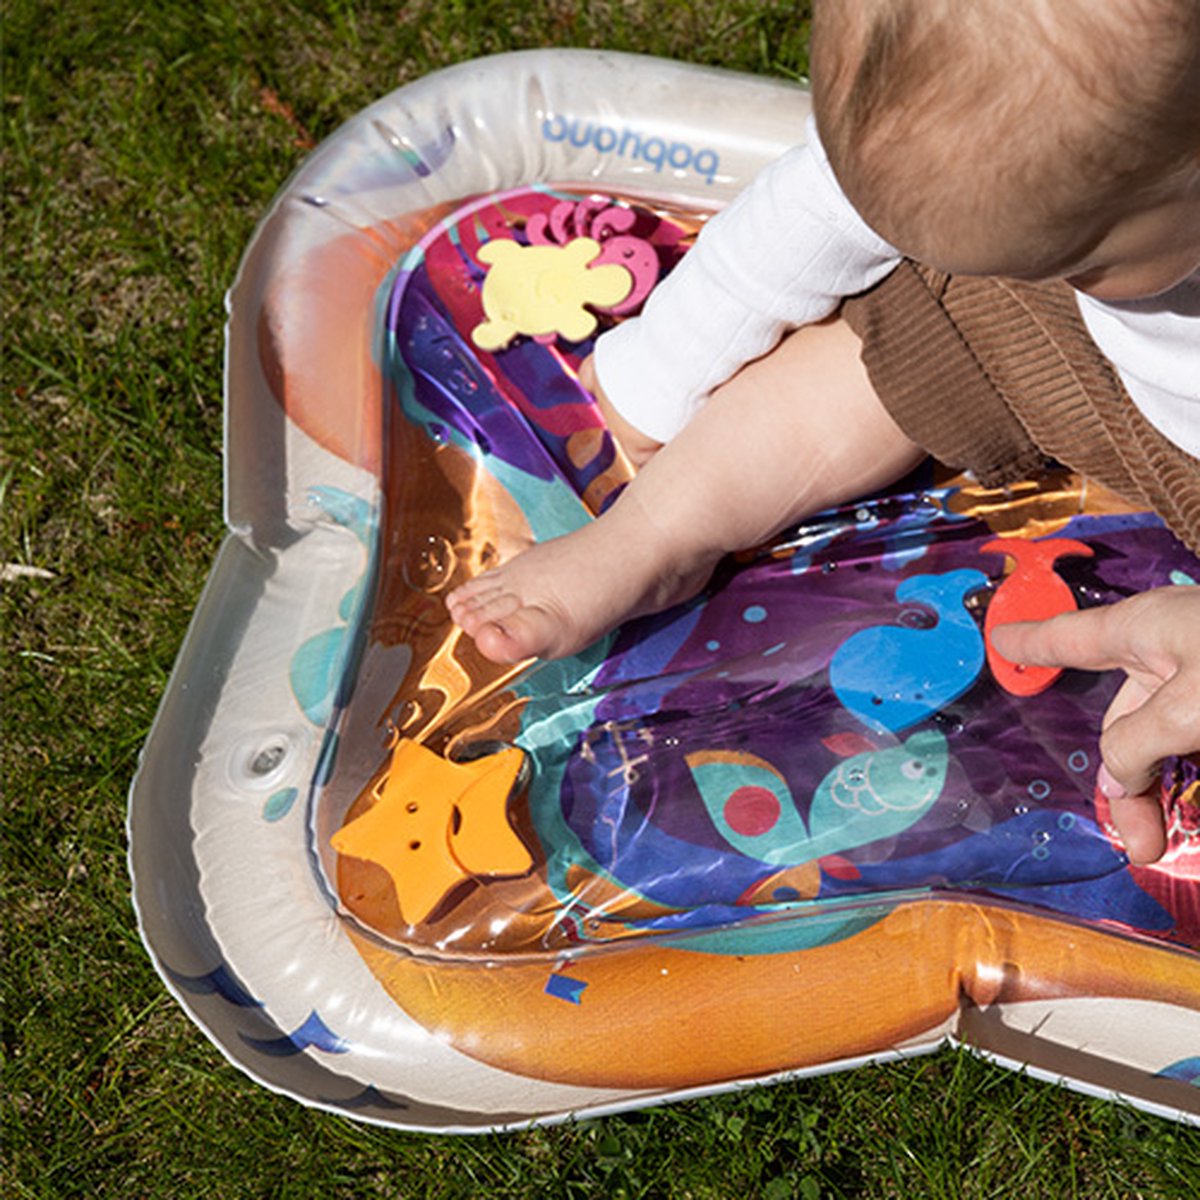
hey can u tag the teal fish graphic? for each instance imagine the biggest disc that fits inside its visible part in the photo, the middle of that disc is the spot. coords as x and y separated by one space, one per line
872 795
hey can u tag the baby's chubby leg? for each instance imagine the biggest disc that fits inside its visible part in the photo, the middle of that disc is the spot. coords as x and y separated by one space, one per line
794 432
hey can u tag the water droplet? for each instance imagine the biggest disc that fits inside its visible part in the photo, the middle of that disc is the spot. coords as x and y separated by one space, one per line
1020 809
407 714
754 614
429 564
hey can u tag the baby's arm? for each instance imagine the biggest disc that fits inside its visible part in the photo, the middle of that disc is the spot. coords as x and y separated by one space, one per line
784 254
1155 638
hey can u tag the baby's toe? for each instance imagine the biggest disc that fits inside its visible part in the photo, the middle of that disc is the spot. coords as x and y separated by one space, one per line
521 634
473 593
476 611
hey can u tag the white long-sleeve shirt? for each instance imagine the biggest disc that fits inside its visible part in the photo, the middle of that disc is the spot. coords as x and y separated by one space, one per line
786 252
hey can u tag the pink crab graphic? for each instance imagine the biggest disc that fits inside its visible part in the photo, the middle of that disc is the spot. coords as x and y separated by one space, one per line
609 224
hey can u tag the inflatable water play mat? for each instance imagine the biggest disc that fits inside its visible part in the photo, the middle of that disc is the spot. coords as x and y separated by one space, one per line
801 822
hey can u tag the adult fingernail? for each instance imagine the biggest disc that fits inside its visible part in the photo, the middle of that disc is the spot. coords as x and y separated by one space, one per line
1108 785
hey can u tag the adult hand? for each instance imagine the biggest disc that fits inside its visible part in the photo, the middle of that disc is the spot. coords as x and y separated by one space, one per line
637 447
1155 638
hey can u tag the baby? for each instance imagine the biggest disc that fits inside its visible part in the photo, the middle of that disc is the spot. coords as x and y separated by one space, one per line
989 250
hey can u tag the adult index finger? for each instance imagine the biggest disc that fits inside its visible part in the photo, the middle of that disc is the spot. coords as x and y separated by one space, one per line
1093 639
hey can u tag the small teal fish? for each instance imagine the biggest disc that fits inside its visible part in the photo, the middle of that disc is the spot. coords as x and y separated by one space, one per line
873 795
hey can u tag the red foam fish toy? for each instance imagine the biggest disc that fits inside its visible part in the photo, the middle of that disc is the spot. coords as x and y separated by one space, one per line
1034 591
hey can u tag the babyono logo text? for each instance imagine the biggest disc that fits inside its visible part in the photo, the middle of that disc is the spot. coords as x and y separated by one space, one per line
656 151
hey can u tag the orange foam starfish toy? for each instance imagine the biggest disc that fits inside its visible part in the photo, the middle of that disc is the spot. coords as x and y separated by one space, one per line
436 823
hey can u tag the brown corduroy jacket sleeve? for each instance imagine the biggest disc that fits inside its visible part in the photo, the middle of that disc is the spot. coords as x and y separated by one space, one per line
1000 377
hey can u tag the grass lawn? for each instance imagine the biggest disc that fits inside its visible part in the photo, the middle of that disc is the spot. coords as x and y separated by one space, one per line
142 140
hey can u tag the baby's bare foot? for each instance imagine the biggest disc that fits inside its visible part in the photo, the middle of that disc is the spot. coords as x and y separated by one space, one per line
560 596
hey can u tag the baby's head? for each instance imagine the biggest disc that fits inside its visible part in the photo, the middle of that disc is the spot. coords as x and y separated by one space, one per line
1032 138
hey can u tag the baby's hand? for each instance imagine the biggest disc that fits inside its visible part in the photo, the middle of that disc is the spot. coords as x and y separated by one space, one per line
1155 638
637 447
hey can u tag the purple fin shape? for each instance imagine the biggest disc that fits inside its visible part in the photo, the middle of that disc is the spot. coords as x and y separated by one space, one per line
1186 1070
563 987
218 982
313 1034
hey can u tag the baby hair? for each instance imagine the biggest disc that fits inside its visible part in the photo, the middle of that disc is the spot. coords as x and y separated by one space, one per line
1042 118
